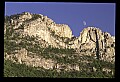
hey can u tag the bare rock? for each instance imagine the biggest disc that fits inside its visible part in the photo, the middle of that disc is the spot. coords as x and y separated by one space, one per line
102 43
92 41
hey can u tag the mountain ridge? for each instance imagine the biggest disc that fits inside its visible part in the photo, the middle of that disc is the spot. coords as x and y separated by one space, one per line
33 37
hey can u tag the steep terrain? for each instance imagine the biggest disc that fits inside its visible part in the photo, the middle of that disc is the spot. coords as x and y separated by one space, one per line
39 43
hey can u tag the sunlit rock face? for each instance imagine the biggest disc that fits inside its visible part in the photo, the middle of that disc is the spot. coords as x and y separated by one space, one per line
95 40
92 41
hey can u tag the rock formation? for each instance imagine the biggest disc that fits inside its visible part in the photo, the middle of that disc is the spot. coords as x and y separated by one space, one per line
93 39
91 42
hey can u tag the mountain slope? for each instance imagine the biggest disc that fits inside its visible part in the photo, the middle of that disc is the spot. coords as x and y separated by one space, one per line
39 43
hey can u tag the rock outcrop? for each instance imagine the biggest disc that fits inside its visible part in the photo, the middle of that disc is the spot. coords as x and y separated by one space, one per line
91 42
41 26
100 43
31 59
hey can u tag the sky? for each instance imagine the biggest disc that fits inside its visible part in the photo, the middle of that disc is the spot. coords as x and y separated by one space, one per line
76 15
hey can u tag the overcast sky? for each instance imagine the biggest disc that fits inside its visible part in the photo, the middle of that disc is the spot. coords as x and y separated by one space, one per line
76 15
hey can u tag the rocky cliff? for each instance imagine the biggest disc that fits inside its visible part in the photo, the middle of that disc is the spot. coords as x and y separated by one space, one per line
31 36
41 26
101 44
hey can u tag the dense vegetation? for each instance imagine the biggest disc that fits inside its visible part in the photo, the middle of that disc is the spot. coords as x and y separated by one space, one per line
20 70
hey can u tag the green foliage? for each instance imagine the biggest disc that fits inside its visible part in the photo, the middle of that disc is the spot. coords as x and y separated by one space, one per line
34 17
49 28
67 41
7 19
21 26
57 50
21 70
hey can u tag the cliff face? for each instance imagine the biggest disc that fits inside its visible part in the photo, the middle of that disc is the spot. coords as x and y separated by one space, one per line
91 42
102 43
41 26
